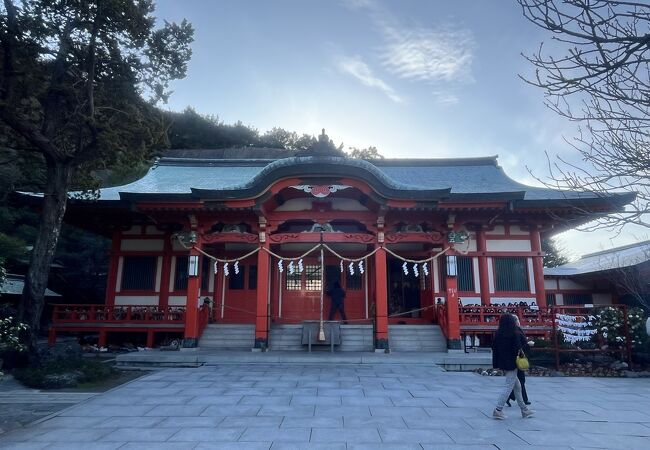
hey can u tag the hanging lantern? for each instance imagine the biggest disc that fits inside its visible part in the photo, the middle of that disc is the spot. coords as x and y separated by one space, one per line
226 272
361 269
416 272
291 268
193 266
452 266
341 266
236 267
425 269
300 266
351 268
405 268
216 267
280 268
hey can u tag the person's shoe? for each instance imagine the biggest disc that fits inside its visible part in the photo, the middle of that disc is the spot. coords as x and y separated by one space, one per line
527 403
499 415
527 413
508 403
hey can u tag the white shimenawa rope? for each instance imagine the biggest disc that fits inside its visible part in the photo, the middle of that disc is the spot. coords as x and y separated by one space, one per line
297 258
416 261
315 247
221 260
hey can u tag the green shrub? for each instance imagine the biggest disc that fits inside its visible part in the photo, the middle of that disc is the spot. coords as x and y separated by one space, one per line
60 373
610 323
96 371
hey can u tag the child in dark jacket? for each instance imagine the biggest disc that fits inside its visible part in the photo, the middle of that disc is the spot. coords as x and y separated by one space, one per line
508 340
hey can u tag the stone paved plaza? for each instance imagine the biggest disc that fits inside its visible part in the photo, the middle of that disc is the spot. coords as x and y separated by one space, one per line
388 406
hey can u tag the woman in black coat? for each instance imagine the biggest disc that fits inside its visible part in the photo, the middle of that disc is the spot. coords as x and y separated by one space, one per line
508 340
521 375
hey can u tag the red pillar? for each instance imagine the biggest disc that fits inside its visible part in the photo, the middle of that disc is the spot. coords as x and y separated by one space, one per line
483 268
263 285
102 338
381 300
192 308
453 319
538 268
150 338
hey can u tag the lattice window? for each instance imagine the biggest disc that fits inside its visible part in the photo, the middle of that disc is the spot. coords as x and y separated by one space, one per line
180 275
465 273
139 273
550 300
313 280
511 274
293 281
577 299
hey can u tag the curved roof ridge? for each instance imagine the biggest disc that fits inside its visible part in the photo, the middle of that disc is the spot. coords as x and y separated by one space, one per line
334 160
468 161
182 161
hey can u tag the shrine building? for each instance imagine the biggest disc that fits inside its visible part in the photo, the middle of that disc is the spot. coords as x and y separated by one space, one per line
253 241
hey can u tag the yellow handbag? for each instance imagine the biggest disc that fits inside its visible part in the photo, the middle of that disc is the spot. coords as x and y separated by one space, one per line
521 361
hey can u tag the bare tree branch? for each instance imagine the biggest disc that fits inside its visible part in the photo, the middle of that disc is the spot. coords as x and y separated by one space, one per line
602 80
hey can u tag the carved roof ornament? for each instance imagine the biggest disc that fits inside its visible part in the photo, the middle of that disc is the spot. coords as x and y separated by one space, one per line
320 191
324 146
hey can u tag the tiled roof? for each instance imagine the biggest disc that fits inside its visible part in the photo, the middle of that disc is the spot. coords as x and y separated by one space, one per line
14 285
616 258
459 177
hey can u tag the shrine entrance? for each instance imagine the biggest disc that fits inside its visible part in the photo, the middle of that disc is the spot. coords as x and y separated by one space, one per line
410 297
296 293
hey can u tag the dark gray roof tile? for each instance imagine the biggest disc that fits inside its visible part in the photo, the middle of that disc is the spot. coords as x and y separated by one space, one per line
181 174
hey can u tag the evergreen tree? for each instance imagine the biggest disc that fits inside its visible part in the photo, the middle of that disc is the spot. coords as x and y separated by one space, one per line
72 77
554 255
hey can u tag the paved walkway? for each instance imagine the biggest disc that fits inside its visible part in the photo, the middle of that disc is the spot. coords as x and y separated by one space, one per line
282 406
454 361
20 406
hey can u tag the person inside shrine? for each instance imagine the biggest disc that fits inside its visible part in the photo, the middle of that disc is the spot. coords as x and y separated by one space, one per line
337 294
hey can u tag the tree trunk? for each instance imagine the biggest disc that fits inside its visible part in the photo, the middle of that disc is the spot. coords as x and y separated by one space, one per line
54 203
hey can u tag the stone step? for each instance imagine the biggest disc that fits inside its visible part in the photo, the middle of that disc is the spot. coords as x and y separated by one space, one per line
225 336
289 337
416 338
232 335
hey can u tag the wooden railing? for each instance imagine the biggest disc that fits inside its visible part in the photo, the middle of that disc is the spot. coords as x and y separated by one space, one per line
441 316
204 318
489 315
142 314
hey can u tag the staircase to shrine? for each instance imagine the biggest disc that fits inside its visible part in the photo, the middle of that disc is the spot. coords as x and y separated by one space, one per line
354 338
416 338
221 336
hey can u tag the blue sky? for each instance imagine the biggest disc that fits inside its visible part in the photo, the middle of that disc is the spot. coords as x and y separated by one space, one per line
419 79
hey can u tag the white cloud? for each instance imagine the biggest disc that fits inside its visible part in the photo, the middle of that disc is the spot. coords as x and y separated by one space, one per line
445 97
429 55
359 4
358 69
440 56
